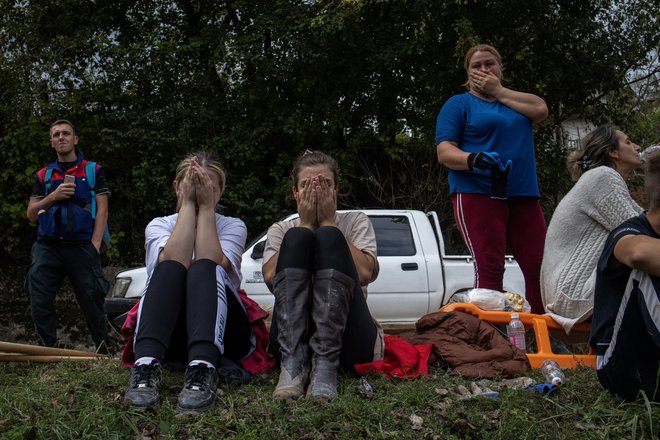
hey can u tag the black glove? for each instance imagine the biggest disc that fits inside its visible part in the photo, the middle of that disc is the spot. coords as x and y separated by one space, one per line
483 162
499 179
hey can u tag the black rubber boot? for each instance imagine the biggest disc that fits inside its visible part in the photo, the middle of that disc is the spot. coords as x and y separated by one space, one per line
292 290
333 292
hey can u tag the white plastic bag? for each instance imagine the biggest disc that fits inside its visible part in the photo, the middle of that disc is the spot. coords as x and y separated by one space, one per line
487 299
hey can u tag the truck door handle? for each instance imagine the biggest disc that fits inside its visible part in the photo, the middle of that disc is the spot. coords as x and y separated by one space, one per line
409 266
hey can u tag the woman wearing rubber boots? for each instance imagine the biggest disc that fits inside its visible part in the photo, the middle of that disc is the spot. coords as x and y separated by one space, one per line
318 267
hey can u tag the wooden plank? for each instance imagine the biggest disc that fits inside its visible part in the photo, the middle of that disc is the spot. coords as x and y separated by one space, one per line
12 347
18 357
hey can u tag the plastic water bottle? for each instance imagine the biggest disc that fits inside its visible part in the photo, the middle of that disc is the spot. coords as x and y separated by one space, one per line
515 330
552 372
643 155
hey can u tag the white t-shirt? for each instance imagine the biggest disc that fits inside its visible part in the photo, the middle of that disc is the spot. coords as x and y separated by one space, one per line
231 231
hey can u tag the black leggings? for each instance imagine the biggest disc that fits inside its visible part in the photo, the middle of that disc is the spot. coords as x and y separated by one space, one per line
631 361
179 316
326 248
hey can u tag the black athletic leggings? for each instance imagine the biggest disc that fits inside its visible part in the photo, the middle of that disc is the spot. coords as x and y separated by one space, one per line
179 316
326 248
634 361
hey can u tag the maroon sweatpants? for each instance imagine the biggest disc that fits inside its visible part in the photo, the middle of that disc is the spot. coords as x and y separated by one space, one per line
488 226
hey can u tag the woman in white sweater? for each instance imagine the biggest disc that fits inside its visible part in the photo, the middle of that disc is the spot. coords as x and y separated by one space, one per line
598 203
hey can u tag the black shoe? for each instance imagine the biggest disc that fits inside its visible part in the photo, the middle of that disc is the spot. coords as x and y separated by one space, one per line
198 393
143 386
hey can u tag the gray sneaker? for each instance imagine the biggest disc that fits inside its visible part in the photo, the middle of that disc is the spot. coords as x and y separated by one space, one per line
142 389
198 393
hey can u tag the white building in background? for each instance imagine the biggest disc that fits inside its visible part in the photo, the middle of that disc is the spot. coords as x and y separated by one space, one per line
646 87
575 130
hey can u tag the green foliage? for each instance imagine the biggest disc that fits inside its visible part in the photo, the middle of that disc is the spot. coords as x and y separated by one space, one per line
645 129
257 82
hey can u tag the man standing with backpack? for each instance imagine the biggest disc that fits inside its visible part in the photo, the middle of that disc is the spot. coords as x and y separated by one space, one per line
70 205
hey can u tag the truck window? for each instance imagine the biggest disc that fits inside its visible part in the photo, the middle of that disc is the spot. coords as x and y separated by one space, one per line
393 236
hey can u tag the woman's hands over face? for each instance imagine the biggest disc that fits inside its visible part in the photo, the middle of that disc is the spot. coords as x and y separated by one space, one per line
196 187
186 189
306 201
326 202
485 82
317 202
203 186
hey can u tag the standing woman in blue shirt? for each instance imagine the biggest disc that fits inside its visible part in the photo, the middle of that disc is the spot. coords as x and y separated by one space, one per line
485 138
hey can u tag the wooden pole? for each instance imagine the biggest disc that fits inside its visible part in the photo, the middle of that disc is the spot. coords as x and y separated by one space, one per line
11 347
17 357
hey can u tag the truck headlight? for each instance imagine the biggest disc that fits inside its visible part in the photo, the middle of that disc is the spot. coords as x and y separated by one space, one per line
121 287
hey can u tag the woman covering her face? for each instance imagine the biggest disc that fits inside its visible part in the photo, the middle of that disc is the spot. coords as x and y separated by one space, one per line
318 267
485 138
191 311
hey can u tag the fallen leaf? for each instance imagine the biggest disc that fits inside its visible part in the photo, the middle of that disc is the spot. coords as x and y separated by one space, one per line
492 418
365 389
69 399
583 426
518 383
442 405
463 391
442 391
150 433
416 422
474 388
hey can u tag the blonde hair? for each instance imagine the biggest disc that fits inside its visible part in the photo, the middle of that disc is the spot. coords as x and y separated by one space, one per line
480 48
205 159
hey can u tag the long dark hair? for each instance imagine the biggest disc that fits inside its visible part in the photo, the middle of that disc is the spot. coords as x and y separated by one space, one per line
594 152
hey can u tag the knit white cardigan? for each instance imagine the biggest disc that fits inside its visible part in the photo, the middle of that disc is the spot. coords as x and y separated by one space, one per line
598 203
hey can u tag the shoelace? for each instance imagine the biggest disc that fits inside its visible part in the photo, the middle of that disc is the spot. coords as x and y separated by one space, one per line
146 375
199 377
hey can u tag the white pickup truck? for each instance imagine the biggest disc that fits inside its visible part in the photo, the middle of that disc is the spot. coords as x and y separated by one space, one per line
416 276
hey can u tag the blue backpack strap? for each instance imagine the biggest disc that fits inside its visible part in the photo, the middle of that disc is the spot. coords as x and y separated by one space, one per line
90 172
49 174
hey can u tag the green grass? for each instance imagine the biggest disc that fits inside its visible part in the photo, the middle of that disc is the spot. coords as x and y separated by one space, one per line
79 400
84 400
